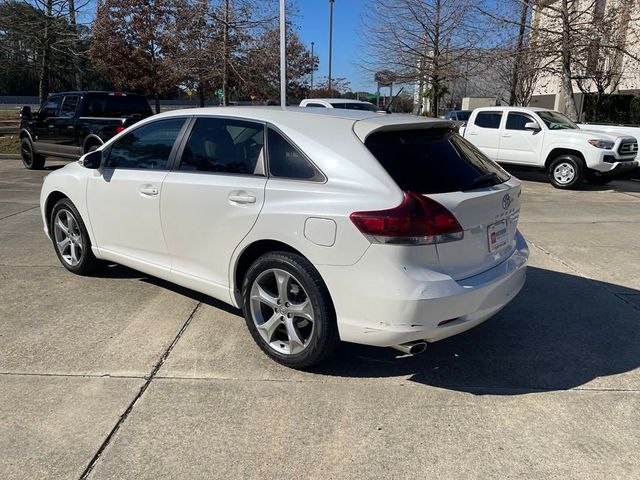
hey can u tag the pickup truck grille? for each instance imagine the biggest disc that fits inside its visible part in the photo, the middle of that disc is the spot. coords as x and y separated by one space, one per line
628 147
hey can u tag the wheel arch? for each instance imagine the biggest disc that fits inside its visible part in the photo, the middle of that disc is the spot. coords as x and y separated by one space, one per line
91 139
24 133
556 152
51 200
250 254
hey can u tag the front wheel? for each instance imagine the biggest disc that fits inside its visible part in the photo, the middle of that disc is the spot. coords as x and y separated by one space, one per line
30 159
70 239
566 171
288 310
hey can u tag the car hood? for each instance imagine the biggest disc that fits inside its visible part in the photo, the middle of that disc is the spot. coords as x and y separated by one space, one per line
588 134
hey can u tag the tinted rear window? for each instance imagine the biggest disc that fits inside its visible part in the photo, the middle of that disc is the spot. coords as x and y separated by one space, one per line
116 106
432 160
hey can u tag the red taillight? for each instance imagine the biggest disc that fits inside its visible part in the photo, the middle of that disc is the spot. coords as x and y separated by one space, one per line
120 128
418 220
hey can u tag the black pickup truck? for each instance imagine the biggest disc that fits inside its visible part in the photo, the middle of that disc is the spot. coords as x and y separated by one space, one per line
70 124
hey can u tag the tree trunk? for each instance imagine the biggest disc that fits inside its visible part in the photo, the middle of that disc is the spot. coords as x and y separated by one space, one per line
77 70
570 109
225 52
43 87
524 10
201 93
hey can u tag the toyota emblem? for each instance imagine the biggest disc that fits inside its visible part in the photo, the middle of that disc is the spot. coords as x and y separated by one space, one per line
506 201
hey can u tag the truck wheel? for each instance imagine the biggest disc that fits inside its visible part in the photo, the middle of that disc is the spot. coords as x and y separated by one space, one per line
30 159
566 171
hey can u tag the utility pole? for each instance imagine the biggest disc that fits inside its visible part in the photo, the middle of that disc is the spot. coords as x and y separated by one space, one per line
225 53
313 63
283 56
330 39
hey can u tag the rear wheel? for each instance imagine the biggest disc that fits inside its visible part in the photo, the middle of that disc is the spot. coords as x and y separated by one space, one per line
566 171
288 310
70 239
30 159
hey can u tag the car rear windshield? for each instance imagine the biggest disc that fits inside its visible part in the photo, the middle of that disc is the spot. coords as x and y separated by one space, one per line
433 160
116 106
355 106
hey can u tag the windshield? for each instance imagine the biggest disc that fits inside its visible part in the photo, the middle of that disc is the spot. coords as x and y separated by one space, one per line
355 106
555 121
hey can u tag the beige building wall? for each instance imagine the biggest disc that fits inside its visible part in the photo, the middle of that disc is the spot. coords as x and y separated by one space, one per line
548 90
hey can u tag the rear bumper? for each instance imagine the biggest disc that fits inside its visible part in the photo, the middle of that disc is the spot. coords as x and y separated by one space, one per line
386 308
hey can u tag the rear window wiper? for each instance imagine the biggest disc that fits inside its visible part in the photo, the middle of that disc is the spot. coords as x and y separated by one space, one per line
487 179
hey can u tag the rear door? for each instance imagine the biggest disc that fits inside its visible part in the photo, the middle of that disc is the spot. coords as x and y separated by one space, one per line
212 199
484 132
517 144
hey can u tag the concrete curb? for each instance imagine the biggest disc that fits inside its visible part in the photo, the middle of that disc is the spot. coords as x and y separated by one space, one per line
9 156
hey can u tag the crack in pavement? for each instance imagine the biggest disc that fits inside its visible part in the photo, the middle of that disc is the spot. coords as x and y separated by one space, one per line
18 213
149 379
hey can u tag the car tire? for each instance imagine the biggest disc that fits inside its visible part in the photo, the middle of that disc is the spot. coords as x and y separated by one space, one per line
30 159
70 239
598 180
294 323
566 171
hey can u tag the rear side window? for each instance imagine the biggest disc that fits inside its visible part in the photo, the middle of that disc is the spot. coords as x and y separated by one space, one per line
488 119
317 105
147 147
116 106
432 160
286 161
224 145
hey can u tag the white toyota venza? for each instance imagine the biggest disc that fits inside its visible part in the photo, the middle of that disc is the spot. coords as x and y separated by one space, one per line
386 230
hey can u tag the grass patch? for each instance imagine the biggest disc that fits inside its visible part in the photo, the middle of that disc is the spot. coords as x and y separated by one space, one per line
10 144
10 114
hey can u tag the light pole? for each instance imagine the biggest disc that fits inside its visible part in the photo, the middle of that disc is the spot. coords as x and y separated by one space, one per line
283 56
313 63
330 39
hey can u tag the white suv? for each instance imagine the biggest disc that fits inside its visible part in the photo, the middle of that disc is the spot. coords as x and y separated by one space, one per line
322 226
343 103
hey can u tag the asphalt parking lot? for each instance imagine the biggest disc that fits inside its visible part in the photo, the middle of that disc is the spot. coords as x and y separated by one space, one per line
125 376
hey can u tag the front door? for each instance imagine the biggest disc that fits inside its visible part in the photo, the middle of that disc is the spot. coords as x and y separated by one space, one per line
44 125
212 199
517 144
123 196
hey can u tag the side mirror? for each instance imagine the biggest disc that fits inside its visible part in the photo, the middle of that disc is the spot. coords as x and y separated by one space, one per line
92 160
532 126
25 113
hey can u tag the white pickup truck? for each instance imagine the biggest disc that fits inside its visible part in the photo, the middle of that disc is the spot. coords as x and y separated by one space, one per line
543 138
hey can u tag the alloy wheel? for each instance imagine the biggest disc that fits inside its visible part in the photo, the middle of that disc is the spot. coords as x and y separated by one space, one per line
68 237
281 311
27 153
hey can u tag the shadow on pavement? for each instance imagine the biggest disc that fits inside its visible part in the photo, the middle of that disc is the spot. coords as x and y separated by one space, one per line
624 185
560 332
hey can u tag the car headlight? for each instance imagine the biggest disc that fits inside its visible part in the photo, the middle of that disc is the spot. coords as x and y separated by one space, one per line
606 144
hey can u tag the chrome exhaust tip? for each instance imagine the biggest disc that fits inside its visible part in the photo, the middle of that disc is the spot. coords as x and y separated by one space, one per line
412 348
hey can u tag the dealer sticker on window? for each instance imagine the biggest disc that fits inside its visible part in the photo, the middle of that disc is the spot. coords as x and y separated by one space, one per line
498 235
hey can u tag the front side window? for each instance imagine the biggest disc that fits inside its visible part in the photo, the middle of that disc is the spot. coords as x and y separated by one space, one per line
317 105
69 106
224 145
146 147
488 119
50 108
517 121
369 107
286 161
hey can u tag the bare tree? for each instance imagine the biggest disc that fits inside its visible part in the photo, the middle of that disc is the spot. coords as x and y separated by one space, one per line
421 41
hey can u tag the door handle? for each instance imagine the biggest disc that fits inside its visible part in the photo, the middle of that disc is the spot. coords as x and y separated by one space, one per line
70 127
506 135
473 133
51 125
149 190
242 198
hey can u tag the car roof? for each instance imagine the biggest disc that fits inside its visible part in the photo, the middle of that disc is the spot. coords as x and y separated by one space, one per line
362 122
519 109
336 100
94 92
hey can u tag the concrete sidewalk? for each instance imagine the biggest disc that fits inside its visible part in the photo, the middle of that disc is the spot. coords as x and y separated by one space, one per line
125 376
